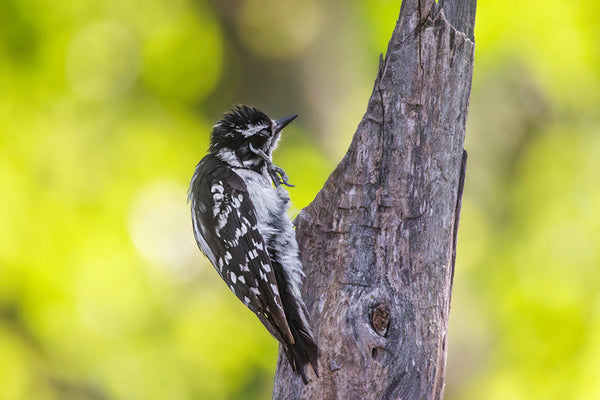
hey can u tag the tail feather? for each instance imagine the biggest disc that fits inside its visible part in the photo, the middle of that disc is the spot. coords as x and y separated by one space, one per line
304 350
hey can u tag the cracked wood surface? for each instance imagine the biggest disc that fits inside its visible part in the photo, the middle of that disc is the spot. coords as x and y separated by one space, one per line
378 243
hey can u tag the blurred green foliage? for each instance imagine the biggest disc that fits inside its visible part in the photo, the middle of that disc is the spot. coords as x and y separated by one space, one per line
106 106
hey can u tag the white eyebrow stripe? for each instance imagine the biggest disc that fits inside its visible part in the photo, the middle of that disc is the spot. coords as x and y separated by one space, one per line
252 129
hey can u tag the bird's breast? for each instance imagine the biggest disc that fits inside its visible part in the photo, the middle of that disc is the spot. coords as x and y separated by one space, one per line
270 204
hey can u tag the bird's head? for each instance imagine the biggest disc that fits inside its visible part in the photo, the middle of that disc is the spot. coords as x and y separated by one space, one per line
246 136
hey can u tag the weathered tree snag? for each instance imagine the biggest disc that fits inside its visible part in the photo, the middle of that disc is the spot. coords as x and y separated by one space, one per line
378 242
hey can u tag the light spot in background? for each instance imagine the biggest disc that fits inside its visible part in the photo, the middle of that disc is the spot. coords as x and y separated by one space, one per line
279 28
109 291
148 16
102 61
161 229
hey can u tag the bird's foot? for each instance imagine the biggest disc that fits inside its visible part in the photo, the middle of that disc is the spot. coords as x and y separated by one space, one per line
278 175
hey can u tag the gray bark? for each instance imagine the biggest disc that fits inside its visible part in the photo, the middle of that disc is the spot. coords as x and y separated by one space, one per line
378 243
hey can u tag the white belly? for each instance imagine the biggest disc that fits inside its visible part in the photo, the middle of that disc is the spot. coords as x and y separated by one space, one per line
270 204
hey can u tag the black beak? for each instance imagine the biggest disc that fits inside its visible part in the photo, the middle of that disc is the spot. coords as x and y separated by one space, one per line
283 122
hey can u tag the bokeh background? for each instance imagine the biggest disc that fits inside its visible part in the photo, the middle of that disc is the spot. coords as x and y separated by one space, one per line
106 106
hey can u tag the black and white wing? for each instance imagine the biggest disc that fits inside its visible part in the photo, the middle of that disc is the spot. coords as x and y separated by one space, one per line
226 230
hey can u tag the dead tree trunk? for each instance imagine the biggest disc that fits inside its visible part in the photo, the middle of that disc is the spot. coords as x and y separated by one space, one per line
378 242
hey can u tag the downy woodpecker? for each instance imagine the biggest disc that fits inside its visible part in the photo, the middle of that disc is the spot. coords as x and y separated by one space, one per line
239 214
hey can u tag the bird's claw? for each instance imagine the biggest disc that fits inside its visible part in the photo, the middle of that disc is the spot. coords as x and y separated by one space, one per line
278 176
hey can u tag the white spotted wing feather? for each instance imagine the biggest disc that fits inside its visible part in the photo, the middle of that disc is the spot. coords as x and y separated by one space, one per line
227 231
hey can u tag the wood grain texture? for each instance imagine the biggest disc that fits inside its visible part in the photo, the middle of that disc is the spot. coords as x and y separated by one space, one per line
378 242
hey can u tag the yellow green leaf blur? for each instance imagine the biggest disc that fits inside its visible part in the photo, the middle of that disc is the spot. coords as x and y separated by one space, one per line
107 106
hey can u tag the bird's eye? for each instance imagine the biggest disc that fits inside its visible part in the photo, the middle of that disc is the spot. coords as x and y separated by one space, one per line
264 132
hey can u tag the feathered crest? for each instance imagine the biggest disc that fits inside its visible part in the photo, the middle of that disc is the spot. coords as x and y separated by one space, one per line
227 131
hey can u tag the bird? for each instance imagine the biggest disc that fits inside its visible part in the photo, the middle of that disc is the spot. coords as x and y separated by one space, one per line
239 210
